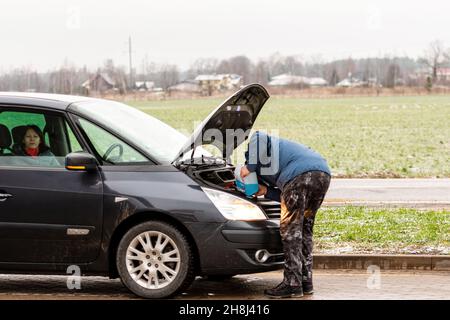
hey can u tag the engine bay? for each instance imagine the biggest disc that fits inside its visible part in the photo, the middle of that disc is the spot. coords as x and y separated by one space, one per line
209 171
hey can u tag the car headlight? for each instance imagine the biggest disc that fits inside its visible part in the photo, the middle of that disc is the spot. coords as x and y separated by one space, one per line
234 208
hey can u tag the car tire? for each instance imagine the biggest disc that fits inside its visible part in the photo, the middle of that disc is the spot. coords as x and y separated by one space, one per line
155 260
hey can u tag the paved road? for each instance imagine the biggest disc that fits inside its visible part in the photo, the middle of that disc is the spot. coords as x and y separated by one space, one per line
428 193
336 284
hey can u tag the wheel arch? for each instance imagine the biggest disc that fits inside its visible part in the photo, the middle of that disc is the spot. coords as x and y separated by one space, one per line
141 217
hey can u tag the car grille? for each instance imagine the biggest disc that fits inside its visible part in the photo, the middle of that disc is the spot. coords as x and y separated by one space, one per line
271 208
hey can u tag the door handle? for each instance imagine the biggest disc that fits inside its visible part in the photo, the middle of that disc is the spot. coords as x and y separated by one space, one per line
5 196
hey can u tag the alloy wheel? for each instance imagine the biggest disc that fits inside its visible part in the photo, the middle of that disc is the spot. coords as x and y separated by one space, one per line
153 260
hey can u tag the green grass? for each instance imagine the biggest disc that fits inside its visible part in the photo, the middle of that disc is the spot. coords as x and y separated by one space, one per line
364 230
360 137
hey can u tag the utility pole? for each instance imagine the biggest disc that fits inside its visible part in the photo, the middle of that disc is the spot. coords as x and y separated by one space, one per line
131 64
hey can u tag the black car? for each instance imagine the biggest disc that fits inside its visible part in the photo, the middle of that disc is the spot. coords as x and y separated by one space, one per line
126 195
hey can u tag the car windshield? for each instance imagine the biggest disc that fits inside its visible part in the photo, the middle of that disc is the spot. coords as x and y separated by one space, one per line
161 141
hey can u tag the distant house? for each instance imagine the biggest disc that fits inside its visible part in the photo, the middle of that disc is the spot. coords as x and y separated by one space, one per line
233 81
218 82
100 82
345 83
317 82
144 85
353 82
293 80
443 73
350 83
286 80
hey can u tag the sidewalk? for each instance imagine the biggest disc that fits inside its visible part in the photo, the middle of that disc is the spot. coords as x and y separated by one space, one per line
403 193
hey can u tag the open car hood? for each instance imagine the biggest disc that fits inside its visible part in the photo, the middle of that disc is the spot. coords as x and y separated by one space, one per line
230 123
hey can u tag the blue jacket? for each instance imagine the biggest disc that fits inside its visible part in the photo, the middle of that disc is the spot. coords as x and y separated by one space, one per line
276 161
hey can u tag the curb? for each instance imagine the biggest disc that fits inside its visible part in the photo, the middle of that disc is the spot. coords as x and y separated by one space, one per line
384 262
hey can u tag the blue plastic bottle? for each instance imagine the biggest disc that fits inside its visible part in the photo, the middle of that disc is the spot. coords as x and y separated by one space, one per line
248 185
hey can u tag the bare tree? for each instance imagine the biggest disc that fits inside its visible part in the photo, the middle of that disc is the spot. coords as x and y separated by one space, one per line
447 55
334 78
242 66
315 67
276 64
350 67
367 70
168 75
121 79
224 67
262 75
434 57
381 66
203 66
149 70
393 75
293 65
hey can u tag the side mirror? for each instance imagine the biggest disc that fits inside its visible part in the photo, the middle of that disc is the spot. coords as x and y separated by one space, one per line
80 161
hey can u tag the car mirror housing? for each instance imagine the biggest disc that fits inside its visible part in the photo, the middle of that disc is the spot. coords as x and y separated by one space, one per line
80 161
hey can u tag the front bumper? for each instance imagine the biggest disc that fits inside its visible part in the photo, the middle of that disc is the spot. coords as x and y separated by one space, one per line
232 248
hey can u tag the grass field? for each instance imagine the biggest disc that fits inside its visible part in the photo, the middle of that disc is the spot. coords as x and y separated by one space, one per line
360 137
364 230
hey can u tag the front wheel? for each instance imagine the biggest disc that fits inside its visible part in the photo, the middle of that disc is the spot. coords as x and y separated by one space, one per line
155 260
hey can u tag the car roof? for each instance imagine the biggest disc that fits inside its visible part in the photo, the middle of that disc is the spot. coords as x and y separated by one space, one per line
48 100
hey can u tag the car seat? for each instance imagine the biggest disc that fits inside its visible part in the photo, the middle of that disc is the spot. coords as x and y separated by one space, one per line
5 140
17 134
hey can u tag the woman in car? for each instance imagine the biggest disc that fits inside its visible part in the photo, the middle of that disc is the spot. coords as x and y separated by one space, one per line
33 145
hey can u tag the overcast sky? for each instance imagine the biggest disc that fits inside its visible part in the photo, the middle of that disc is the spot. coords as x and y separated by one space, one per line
44 33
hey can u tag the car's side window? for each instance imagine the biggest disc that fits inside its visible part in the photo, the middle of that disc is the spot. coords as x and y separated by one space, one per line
111 149
73 141
35 138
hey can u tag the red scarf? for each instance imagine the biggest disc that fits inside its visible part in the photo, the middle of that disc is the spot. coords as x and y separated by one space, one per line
34 152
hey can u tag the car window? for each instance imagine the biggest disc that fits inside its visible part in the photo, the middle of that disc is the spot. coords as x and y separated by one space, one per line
35 139
73 141
111 149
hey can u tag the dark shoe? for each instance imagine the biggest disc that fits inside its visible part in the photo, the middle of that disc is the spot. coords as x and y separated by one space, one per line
308 288
284 291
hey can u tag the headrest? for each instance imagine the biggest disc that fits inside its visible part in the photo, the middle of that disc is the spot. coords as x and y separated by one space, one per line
5 137
18 133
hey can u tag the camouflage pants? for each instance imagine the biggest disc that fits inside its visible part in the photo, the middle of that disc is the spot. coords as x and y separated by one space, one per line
300 200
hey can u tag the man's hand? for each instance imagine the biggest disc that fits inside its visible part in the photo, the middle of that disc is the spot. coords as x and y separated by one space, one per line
262 190
244 172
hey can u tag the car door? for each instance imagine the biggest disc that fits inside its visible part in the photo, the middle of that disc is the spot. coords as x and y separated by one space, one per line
47 214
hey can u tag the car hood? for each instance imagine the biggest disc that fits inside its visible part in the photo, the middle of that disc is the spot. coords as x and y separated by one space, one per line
230 122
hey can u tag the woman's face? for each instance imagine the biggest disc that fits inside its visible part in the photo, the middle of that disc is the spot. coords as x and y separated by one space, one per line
31 139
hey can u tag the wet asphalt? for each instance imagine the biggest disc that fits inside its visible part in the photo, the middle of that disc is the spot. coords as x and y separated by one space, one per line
406 193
